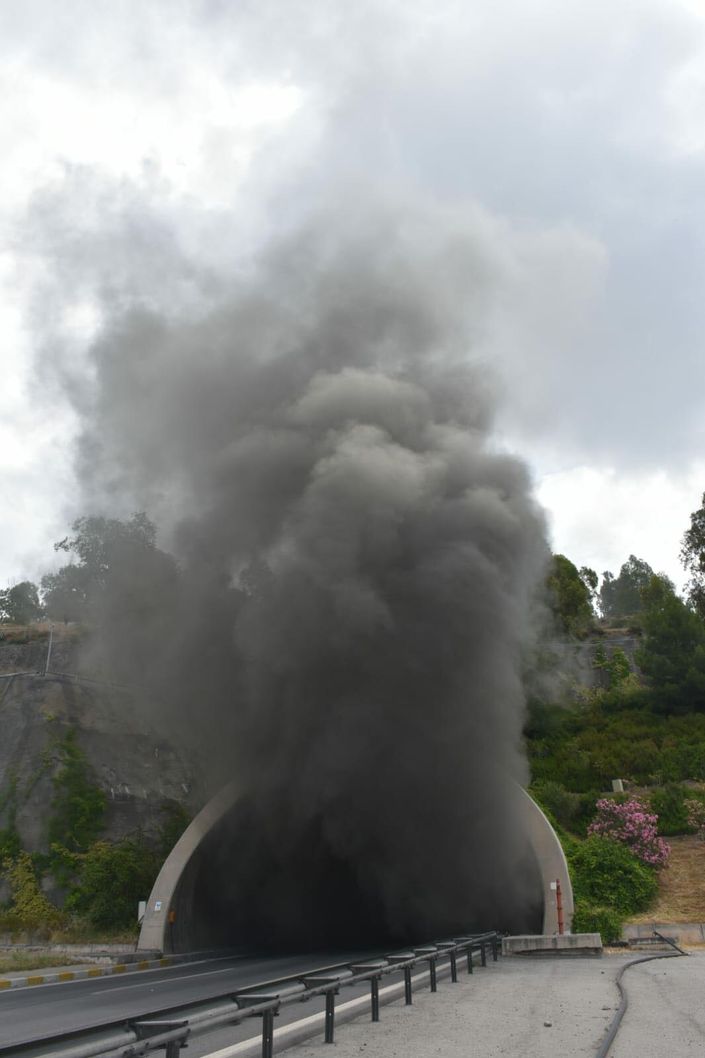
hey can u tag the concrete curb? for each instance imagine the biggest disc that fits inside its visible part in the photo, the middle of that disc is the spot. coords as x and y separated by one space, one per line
81 973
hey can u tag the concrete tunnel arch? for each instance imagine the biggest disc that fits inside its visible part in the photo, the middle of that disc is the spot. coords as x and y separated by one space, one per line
166 925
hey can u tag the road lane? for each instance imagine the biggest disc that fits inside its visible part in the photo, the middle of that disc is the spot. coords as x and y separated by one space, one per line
44 1010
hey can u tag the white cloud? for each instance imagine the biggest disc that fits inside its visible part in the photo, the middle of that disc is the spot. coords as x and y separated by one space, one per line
599 517
578 129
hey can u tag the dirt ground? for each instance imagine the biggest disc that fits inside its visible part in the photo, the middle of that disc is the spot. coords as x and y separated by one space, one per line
681 884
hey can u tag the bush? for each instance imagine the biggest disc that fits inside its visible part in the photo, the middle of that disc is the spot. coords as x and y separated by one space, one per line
571 810
629 823
603 920
668 803
78 805
111 881
607 874
695 814
10 844
30 910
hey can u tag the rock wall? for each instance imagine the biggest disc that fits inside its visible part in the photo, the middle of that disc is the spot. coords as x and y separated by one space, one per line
139 770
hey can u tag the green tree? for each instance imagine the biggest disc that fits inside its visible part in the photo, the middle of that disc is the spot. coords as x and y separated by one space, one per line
590 579
20 604
569 597
693 558
621 596
672 656
66 593
112 879
615 669
116 573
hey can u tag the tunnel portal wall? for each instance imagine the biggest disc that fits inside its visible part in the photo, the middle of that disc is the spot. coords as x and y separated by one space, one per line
170 924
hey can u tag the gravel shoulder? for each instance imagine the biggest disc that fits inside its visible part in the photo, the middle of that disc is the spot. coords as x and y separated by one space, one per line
522 1007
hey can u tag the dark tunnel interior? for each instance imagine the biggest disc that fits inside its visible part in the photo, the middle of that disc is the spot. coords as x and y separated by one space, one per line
237 892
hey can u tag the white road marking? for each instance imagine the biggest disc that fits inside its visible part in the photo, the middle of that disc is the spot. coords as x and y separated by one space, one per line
110 975
167 981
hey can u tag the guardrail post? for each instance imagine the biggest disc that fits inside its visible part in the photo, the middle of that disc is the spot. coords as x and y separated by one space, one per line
483 954
407 986
470 966
404 957
374 995
450 948
430 954
330 1016
494 948
173 1048
267 1033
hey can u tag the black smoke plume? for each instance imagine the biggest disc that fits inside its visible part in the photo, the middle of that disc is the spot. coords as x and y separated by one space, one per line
358 563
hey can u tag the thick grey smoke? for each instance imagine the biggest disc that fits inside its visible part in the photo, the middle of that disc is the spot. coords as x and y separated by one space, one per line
358 561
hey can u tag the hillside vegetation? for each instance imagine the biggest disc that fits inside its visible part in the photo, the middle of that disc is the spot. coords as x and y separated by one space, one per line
639 718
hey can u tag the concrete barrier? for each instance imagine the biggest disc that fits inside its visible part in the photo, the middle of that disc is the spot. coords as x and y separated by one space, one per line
681 932
556 944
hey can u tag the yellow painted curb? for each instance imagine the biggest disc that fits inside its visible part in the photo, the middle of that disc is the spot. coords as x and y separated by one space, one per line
38 980
68 975
144 965
5 984
164 962
94 973
119 968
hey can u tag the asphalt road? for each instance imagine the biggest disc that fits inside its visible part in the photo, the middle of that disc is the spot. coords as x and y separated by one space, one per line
42 1011
520 1008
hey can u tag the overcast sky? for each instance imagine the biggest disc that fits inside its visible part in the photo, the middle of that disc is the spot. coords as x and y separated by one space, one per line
140 137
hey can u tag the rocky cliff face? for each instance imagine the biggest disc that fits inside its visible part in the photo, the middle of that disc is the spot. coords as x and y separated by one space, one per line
139 770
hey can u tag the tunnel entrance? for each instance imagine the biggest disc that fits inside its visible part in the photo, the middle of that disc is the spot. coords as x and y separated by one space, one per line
241 889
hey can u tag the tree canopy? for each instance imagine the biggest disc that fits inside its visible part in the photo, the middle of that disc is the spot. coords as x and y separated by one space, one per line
569 594
621 596
672 657
693 558
116 568
20 604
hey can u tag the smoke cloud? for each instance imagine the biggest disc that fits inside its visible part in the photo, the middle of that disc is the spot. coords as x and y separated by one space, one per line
358 564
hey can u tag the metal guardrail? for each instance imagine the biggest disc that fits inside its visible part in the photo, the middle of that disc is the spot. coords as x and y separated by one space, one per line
172 1030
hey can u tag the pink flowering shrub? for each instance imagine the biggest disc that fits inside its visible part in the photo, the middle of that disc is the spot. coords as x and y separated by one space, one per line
632 825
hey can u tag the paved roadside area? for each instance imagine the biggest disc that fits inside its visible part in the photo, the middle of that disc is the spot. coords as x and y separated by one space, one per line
666 1012
539 1008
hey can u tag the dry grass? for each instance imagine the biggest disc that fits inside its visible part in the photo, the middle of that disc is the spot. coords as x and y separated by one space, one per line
39 630
16 960
23 633
681 885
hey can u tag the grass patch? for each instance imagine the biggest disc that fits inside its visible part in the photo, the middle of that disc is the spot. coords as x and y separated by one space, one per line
27 960
23 633
79 931
681 895
37 631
